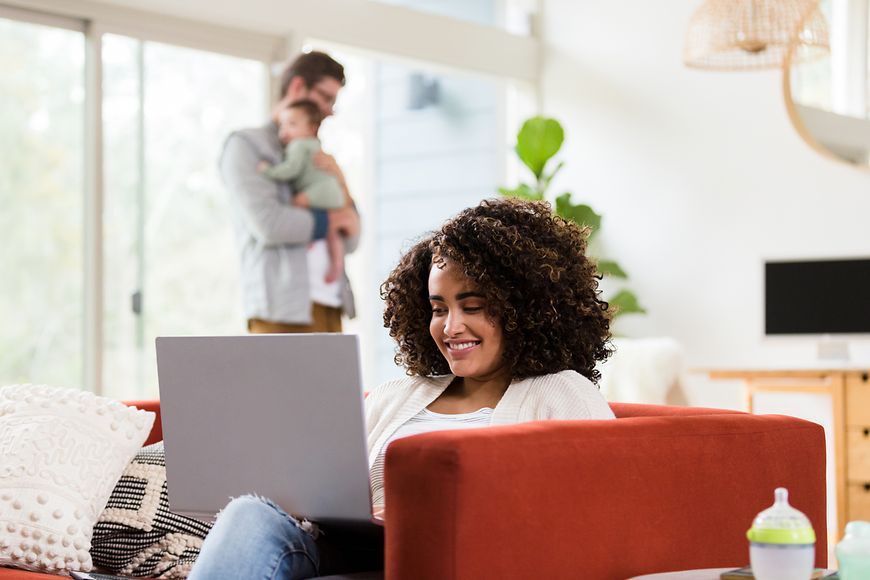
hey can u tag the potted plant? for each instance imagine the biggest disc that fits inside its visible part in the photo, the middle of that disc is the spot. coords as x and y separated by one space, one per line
538 141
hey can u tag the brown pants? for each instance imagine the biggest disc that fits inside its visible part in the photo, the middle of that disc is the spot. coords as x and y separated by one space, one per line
323 319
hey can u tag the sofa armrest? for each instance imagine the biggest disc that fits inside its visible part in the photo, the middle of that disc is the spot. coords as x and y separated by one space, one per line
595 499
627 410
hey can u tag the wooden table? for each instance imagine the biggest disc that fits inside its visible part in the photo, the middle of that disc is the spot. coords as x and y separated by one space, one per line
849 391
707 574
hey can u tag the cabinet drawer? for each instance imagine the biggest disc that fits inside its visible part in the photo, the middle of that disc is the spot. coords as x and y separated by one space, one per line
858 399
858 453
859 502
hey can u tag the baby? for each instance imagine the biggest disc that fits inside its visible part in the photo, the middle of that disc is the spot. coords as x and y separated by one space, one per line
298 124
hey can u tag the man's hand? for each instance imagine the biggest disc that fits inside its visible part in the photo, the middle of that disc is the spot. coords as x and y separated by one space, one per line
344 221
263 166
301 200
326 162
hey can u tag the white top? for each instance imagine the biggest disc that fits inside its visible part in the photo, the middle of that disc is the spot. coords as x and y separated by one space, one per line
322 292
424 422
564 395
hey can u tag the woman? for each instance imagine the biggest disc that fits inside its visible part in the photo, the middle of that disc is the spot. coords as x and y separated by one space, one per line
498 320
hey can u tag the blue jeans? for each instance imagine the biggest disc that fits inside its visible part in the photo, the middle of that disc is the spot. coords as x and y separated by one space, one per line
253 538
256 540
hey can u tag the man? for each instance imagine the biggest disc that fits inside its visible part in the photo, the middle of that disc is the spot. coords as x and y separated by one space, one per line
284 256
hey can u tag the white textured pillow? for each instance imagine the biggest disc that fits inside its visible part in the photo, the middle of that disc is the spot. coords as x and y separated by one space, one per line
61 452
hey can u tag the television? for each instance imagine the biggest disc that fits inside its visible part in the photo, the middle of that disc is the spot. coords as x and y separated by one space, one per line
817 297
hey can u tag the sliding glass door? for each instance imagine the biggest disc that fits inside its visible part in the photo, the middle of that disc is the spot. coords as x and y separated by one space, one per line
41 201
171 266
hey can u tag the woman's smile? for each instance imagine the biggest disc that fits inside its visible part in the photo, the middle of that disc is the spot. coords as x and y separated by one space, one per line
458 349
470 341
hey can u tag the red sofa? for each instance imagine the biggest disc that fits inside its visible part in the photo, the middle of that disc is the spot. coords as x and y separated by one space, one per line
659 489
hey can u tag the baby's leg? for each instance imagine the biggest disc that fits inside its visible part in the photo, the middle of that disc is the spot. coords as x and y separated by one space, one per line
336 256
301 200
326 193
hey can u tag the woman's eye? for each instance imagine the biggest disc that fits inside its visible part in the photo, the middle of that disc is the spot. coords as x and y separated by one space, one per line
437 310
472 309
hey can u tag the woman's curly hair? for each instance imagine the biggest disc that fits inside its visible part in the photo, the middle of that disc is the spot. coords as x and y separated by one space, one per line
538 283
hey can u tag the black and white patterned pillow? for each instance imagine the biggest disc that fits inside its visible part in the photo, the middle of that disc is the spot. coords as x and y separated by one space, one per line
137 535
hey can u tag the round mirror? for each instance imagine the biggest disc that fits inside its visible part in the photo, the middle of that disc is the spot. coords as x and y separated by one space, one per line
826 88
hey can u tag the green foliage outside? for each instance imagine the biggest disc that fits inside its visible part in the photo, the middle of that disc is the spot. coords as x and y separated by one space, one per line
41 207
538 141
166 229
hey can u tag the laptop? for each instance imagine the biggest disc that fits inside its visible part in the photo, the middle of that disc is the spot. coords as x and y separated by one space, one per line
277 415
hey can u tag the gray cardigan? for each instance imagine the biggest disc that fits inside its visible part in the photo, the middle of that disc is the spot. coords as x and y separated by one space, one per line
272 235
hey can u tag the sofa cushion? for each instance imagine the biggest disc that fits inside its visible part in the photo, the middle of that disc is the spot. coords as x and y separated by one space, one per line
18 574
63 450
137 534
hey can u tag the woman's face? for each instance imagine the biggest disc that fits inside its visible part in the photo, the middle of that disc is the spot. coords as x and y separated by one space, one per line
471 342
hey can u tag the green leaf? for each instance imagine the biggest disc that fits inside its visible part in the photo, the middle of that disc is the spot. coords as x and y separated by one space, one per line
625 302
522 191
611 268
580 214
585 215
563 202
538 140
545 180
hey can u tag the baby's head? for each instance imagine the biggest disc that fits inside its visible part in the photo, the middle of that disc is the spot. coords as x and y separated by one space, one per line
299 119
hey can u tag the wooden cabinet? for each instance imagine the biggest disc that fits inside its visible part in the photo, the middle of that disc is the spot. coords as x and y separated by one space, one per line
858 454
858 445
859 501
849 391
858 395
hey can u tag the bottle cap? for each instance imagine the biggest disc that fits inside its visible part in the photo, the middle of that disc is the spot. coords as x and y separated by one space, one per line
856 540
781 524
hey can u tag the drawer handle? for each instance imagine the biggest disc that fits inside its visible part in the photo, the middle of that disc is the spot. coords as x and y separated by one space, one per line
867 487
866 432
865 377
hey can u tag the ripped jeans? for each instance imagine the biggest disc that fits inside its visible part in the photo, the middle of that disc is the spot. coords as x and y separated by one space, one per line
256 540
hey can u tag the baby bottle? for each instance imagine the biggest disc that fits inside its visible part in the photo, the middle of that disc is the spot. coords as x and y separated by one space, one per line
853 552
781 542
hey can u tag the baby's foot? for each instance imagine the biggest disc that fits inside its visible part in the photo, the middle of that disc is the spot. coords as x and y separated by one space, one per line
332 274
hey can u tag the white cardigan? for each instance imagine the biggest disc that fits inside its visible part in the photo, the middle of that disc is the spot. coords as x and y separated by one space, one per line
563 395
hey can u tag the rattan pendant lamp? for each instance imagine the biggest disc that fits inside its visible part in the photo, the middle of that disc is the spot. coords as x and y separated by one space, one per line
751 34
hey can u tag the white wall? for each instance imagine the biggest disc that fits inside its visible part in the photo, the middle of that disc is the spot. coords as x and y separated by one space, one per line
428 165
700 177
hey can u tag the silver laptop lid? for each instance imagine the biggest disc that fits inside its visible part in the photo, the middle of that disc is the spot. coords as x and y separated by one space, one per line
280 416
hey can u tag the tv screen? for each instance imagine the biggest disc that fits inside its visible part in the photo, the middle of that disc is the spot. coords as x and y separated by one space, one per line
817 297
